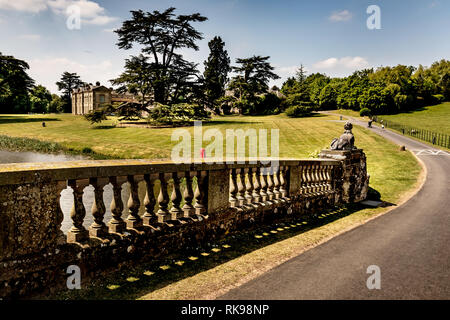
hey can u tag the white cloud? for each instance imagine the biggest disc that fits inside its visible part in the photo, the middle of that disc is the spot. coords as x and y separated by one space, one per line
338 16
34 6
287 71
91 11
30 37
47 71
345 62
434 4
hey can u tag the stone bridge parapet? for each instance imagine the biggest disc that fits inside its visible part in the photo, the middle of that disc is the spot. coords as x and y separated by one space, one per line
170 207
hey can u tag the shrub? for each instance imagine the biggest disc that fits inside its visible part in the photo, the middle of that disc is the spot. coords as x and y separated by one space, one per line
178 114
268 104
438 98
87 150
298 111
295 99
365 112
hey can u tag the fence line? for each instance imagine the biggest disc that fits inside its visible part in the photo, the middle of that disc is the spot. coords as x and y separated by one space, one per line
436 138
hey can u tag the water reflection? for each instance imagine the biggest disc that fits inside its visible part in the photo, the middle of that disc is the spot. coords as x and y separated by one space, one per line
88 196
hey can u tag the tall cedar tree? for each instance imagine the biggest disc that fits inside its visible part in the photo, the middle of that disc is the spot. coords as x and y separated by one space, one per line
69 82
159 74
216 71
253 77
15 85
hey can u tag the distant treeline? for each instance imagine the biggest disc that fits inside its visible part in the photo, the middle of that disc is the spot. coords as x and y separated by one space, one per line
386 90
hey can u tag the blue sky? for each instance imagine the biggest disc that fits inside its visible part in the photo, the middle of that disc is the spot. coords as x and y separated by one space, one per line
324 35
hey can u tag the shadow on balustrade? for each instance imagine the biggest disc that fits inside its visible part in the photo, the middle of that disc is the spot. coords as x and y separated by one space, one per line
143 278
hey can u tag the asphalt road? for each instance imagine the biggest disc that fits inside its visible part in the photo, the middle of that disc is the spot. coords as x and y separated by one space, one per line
410 245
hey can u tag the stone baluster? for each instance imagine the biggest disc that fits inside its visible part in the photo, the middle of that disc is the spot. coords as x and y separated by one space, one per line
60 214
264 196
276 184
249 186
149 216
324 179
303 179
233 189
163 200
315 175
98 227
329 177
270 194
78 232
241 188
257 186
133 221
307 179
316 178
188 208
116 224
319 179
283 183
176 211
310 179
200 207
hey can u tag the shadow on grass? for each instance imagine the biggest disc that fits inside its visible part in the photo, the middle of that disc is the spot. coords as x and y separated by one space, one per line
232 122
21 119
145 278
106 127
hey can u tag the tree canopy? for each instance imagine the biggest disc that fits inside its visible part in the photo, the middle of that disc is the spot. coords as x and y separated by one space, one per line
160 35
382 90
68 82
15 85
217 67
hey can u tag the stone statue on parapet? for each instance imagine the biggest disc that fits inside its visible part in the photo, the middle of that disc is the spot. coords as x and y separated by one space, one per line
346 140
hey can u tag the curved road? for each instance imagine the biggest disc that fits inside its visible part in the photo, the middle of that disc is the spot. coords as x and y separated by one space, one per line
410 244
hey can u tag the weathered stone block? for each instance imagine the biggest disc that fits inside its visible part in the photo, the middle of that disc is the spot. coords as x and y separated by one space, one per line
218 190
29 216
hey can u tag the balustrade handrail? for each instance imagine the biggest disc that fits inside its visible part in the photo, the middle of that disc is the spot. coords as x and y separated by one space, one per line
19 173
239 184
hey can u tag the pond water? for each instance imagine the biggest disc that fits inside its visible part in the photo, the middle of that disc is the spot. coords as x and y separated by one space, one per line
67 194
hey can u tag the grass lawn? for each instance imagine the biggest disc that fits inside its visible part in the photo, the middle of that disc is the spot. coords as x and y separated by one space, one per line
393 173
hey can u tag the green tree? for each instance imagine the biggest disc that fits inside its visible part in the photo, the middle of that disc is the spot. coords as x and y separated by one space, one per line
15 85
68 82
56 105
161 35
40 99
252 79
217 67
301 74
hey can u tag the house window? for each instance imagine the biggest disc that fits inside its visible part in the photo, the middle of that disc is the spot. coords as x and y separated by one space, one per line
102 98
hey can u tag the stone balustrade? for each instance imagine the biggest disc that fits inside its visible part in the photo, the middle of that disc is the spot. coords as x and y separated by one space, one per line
169 207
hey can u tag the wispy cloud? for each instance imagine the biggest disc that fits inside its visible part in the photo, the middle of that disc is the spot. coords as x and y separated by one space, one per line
345 62
30 37
434 4
91 12
339 16
34 6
